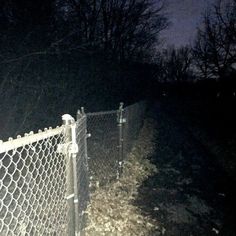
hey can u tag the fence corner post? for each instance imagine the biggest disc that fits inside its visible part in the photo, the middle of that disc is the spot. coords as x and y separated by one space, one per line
120 124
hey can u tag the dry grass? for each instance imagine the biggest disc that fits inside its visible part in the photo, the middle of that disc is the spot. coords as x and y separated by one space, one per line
111 211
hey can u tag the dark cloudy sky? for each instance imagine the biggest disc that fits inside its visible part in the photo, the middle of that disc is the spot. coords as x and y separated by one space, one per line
185 16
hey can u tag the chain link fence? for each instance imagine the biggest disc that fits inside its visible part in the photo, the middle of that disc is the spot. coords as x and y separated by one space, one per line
82 174
46 178
33 185
112 137
103 150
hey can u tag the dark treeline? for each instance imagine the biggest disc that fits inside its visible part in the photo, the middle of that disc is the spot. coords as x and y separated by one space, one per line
210 62
121 29
63 54
58 55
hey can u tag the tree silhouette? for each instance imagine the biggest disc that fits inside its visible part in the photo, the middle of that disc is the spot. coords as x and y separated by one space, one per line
214 50
175 64
121 28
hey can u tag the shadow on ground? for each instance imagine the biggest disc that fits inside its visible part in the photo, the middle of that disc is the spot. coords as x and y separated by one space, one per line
190 194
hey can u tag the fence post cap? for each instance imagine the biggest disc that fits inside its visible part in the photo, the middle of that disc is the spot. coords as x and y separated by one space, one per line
67 119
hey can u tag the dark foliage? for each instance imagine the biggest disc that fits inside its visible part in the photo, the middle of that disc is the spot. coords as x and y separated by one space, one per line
122 29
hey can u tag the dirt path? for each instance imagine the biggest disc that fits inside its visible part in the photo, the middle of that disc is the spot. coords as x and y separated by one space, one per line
190 195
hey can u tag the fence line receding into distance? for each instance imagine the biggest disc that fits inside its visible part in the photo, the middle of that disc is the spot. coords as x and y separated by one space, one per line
46 177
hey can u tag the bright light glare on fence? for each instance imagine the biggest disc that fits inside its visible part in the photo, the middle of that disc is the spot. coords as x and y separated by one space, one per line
45 178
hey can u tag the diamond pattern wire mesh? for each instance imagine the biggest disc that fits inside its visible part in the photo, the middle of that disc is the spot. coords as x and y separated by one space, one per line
36 174
103 147
33 189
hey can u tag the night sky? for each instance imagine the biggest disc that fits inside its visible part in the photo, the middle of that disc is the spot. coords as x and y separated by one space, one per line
185 16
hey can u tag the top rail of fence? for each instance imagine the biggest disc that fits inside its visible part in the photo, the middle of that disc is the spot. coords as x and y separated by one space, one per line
29 138
101 113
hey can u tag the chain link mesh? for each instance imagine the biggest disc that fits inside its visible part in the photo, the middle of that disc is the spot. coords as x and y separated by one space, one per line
33 188
44 182
103 147
108 140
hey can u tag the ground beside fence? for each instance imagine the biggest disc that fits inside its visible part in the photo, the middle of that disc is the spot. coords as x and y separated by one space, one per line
111 210
190 194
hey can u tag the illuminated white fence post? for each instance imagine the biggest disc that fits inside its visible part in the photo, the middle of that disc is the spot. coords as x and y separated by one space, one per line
71 149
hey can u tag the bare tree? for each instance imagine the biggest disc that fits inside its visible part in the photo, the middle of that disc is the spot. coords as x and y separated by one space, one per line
214 50
121 28
176 64
200 54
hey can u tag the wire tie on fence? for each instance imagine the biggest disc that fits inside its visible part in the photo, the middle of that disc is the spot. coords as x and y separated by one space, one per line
70 196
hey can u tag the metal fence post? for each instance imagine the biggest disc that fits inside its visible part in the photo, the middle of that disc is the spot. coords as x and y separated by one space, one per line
71 172
83 177
87 135
120 120
73 152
